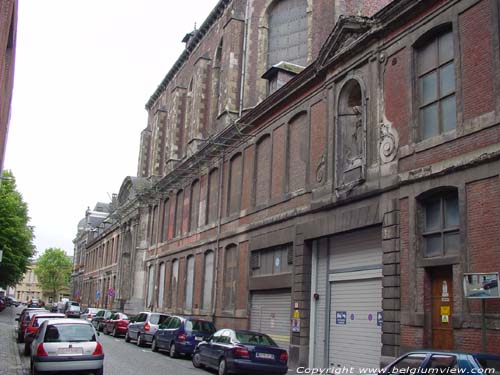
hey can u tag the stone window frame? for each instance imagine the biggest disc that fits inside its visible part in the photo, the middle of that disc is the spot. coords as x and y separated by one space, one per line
173 289
212 172
161 286
165 220
233 211
179 208
150 286
433 37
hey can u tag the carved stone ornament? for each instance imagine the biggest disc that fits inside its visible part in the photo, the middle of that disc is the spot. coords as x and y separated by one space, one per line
320 170
389 141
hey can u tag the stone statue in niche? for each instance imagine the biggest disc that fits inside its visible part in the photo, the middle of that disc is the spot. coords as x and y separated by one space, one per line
353 145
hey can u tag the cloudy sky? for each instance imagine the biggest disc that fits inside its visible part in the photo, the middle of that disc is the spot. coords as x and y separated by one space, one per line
84 71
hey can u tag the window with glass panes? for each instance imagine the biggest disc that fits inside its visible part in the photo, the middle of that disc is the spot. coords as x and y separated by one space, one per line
441 221
436 86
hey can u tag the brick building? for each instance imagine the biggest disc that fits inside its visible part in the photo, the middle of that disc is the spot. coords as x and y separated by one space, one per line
8 28
335 203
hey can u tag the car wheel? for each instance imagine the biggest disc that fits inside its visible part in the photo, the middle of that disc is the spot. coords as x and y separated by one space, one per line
222 370
101 327
139 340
115 332
172 351
99 372
154 346
197 360
19 338
127 337
26 349
105 330
33 371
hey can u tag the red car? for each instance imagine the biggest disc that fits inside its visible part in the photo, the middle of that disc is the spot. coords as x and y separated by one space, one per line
117 324
24 319
32 328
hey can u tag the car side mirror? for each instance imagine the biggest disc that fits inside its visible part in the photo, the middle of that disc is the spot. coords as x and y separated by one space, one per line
98 334
17 319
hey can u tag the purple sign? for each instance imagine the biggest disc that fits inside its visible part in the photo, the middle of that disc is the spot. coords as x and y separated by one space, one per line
111 292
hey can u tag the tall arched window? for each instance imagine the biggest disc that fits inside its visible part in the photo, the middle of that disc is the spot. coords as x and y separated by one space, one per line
174 281
263 170
179 205
216 83
208 279
161 286
230 276
287 39
298 152
166 219
213 196
194 206
235 175
188 303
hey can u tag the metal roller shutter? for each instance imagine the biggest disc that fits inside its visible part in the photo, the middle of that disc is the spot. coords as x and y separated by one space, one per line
270 314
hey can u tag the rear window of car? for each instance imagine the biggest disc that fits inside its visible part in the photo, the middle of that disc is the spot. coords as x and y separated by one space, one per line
157 318
40 320
74 308
69 333
200 326
75 304
255 339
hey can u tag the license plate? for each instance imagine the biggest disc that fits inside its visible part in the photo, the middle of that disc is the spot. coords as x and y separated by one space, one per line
264 355
72 351
198 338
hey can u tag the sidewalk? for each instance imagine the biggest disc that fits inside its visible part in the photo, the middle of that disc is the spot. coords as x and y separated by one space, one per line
10 357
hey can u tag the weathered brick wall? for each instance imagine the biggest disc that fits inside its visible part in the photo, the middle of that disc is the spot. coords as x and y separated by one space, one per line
477 55
318 137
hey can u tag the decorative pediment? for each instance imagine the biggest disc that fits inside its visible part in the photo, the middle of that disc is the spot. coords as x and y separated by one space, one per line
346 31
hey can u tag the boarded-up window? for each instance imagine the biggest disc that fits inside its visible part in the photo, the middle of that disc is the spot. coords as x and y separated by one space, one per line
235 183
161 286
174 284
179 204
166 221
288 32
213 196
270 261
208 279
230 277
194 206
436 85
263 170
188 303
297 153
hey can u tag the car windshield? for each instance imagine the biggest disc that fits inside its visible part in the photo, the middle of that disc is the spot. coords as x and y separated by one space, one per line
69 333
253 338
200 326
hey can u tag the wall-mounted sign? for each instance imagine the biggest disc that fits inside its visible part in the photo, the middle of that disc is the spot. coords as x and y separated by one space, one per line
295 325
379 318
481 285
341 317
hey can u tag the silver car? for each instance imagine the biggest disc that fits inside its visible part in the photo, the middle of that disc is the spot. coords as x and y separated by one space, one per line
143 327
89 313
66 345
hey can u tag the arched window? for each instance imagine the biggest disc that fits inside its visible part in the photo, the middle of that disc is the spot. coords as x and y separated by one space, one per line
298 151
179 205
287 40
188 303
351 127
263 170
230 276
151 284
436 84
208 279
174 283
161 286
235 175
213 196
194 206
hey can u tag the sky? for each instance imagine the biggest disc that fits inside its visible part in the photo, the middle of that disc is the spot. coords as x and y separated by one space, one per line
83 74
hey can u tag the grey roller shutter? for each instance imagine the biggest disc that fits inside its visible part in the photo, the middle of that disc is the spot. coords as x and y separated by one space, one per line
270 314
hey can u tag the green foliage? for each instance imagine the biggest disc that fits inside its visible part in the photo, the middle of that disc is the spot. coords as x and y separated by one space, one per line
16 235
53 270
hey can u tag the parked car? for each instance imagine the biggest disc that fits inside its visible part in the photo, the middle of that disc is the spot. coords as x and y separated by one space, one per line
11 301
89 313
144 327
117 324
99 319
24 320
34 302
69 344
72 309
3 304
34 324
233 351
444 362
180 335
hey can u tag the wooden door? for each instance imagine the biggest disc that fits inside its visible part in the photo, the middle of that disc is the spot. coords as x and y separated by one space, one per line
442 308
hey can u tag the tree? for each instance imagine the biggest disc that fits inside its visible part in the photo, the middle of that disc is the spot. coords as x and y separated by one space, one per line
16 235
53 270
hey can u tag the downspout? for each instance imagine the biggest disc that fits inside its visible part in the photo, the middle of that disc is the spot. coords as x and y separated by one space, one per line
244 61
219 224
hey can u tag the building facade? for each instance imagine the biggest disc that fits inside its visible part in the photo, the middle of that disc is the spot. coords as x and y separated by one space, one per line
8 29
337 202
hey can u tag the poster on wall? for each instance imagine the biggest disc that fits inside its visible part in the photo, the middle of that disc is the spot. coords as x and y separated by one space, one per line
481 285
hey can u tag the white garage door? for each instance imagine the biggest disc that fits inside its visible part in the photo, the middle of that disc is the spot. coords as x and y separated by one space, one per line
355 323
270 314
